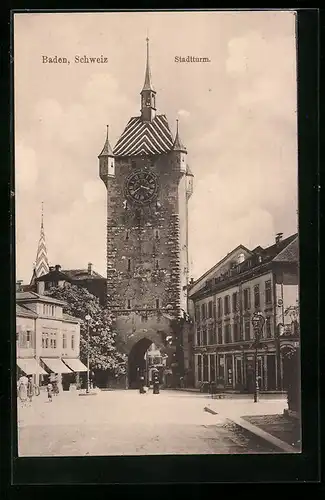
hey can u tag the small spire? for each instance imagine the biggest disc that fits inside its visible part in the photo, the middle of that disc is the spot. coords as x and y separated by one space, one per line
41 265
107 150
147 79
178 145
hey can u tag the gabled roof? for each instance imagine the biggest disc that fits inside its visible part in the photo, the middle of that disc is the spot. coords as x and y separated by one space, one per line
81 274
218 264
290 253
24 311
145 137
36 297
54 275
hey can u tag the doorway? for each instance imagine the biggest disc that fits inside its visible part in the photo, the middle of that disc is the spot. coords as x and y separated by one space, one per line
137 362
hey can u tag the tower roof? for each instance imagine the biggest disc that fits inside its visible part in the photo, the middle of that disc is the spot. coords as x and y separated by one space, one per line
178 145
107 150
41 264
147 78
145 138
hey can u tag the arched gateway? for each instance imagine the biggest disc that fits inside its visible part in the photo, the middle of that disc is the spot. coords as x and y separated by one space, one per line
135 336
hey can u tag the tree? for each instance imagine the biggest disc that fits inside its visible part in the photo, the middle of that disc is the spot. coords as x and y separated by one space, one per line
103 354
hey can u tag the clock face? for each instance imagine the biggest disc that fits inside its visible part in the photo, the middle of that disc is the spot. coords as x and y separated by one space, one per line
141 186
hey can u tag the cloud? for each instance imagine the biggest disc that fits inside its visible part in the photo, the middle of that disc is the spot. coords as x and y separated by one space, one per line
184 113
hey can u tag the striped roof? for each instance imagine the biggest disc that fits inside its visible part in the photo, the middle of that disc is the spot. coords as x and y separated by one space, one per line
145 138
41 264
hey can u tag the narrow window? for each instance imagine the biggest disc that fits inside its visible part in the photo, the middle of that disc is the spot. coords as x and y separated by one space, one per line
219 334
54 341
157 303
256 296
247 301
157 264
129 264
133 164
72 342
247 329
157 234
210 309
64 341
129 304
268 327
198 336
234 302
127 235
28 336
268 292
197 314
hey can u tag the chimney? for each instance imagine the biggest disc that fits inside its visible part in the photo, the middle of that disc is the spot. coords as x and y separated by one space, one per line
18 285
191 281
57 267
51 269
278 237
89 268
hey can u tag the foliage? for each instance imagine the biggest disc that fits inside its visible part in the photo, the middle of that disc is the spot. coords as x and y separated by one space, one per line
103 354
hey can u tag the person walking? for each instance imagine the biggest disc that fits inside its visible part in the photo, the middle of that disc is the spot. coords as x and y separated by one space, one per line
155 380
141 385
49 392
22 389
30 389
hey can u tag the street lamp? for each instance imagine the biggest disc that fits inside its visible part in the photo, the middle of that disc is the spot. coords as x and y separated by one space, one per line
87 318
258 321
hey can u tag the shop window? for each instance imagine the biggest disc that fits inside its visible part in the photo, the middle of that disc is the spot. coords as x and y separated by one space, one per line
199 368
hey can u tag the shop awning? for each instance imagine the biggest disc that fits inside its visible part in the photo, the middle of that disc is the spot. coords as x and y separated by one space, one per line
75 364
56 365
30 366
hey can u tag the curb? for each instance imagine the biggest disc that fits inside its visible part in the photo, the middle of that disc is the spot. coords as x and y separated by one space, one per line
278 443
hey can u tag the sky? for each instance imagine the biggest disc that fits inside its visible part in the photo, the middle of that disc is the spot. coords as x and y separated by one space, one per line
237 117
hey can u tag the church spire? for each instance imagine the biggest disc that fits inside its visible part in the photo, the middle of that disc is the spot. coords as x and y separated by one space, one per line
148 93
147 79
178 145
107 150
41 265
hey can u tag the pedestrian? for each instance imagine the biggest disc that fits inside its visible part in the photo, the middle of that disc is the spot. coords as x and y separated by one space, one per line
141 385
49 392
22 389
30 389
155 380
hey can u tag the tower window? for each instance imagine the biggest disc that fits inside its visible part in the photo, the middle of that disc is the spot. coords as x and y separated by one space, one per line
129 264
157 264
133 164
127 235
156 234
129 304
157 303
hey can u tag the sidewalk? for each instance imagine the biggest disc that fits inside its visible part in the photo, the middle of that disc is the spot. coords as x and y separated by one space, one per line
264 419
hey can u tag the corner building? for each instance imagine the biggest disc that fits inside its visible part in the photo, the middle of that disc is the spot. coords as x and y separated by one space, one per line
223 301
148 185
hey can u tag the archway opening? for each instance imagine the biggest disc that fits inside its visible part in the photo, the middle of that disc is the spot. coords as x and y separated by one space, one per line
137 362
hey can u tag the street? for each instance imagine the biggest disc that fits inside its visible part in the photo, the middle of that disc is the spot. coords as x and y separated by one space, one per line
127 423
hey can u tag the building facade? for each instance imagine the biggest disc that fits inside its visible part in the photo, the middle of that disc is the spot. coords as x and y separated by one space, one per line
148 185
222 303
47 340
85 278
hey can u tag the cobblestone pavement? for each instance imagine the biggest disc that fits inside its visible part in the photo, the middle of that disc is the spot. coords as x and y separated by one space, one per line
127 423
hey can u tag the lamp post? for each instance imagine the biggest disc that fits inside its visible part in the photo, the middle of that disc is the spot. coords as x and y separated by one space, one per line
87 318
258 321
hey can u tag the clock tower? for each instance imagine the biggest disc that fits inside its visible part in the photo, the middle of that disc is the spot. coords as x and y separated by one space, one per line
148 185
